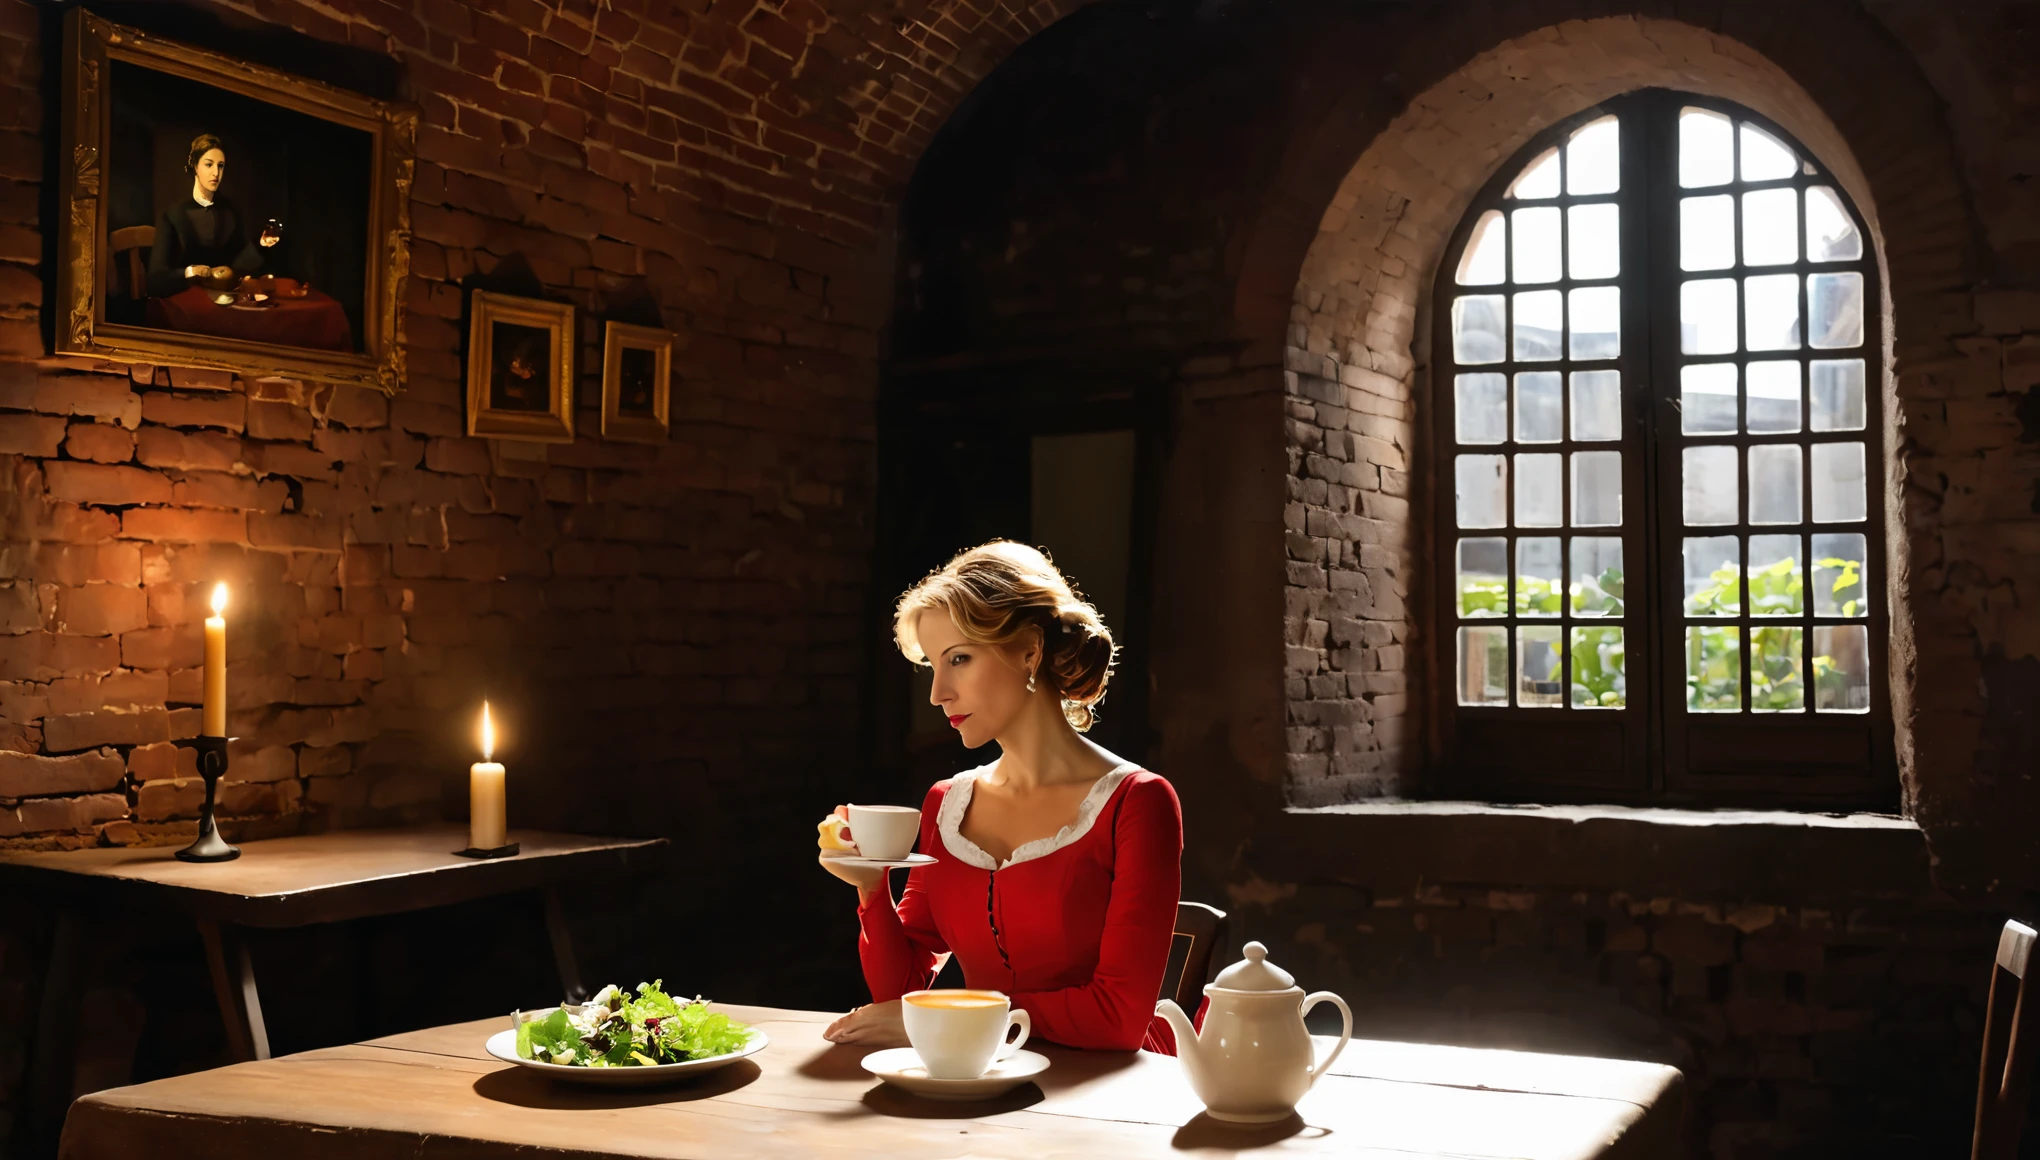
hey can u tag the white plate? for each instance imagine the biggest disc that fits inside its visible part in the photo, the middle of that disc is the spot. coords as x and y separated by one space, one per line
859 860
901 1067
503 1045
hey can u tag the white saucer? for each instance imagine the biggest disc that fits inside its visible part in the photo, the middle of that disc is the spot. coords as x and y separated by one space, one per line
901 1067
857 860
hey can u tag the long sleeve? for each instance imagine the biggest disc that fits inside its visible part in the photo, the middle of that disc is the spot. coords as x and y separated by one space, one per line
1113 1010
166 276
898 944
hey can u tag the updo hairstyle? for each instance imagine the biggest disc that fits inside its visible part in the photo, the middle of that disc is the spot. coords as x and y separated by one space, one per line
995 592
201 145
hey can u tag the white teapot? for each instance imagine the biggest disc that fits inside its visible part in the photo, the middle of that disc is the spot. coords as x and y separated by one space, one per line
1254 1060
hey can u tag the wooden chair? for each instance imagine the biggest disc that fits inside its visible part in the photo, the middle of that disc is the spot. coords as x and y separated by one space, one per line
2011 1032
135 242
1200 930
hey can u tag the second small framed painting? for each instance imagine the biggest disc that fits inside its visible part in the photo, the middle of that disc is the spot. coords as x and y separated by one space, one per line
520 368
637 382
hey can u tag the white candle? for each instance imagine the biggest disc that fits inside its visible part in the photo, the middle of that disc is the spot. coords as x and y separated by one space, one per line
485 793
214 716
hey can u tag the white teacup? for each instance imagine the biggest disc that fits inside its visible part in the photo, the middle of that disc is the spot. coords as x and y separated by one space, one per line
959 1033
884 832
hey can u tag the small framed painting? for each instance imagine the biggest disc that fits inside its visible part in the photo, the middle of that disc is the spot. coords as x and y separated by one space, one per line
520 368
637 381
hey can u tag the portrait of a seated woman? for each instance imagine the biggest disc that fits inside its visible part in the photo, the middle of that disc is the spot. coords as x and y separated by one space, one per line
204 238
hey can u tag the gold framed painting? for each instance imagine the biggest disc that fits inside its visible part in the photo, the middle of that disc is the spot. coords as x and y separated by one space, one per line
637 382
520 368
224 215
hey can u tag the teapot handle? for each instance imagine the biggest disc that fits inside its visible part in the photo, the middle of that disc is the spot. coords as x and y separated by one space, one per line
1345 1031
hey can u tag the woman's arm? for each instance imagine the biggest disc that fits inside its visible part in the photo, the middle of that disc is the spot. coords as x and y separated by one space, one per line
166 274
898 944
1112 1011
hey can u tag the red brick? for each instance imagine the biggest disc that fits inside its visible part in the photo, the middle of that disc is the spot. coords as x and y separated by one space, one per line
102 396
293 531
269 763
100 610
114 563
27 775
281 421
133 689
188 451
72 731
73 814
218 490
328 762
103 484
160 760
42 656
160 801
226 411
359 407
179 647
38 435
100 443
176 526
458 456
20 608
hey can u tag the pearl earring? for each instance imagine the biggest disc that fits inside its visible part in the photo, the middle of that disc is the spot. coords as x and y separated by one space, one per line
1030 682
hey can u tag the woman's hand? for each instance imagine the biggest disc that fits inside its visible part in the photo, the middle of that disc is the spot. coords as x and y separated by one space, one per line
865 878
872 1025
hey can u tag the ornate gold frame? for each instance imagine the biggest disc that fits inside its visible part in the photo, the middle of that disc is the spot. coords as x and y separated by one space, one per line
556 425
616 338
82 329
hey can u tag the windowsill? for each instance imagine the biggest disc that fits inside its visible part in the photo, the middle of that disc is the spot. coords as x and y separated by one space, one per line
1756 856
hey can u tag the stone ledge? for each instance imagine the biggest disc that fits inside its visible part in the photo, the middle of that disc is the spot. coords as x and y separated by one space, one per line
1697 855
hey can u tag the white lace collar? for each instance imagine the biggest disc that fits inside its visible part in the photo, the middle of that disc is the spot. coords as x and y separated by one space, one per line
954 803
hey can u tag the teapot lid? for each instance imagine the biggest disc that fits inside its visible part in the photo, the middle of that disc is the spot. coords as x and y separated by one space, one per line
1254 973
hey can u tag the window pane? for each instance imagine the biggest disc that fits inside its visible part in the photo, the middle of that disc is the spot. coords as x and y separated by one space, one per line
1539 492
1764 157
1540 319
1837 394
1774 397
1713 576
1836 302
1539 407
1481 486
1708 484
1706 149
1483 576
1593 158
1838 491
1774 483
1706 317
1777 684
1597 669
1480 408
1841 669
1536 231
1597 322
1713 668
1830 235
1770 227
1540 177
1839 560
1597 576
1538 667
1484 263
1771 310
1593 240
1597 489
1539 584
1707 232
1777 585
1707 399
1484 666
1596 405
1477 329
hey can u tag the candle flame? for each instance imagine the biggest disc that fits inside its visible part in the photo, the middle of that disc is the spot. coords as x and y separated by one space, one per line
488 734
219 599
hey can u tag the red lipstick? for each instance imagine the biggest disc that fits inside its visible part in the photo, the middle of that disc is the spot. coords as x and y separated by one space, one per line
957 721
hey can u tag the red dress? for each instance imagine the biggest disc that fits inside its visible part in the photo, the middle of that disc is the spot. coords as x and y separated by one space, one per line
1075 928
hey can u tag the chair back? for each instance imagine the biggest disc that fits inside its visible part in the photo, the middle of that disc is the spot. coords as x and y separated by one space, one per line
134 243
2011 1033
1200 930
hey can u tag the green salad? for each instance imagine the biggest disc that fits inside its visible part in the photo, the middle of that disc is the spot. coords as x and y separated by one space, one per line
616 1029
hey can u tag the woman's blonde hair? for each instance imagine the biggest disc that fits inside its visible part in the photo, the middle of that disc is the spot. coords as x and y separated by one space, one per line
994 593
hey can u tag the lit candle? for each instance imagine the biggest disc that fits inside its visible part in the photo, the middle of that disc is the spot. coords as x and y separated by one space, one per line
215 714
485 793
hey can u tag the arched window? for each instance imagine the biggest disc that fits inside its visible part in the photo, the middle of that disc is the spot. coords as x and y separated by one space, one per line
1657 431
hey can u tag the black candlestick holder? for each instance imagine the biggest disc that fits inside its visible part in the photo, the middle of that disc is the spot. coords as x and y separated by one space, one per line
212 766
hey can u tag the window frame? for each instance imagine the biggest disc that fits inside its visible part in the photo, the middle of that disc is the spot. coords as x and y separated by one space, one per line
1655 751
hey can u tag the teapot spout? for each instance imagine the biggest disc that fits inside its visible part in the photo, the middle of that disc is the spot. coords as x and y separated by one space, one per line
1186 1037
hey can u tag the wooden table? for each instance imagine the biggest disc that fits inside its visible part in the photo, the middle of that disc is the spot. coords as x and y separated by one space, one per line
277 883
436 1094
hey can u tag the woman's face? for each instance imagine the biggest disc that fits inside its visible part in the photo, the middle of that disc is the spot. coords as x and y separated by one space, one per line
212 166
982 688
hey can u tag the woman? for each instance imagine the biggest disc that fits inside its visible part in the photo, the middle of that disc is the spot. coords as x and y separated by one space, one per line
1058 866
203 237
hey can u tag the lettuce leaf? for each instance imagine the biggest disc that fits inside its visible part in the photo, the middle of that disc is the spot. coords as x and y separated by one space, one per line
650 1026
547 1038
